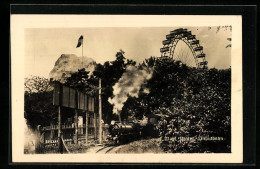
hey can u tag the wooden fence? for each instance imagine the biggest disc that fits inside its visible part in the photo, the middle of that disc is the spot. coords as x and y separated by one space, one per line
46 144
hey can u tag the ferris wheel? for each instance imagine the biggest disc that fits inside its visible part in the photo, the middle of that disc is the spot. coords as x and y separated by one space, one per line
182 45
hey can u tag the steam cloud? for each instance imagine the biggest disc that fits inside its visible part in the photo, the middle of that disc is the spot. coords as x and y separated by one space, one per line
129 85
30 138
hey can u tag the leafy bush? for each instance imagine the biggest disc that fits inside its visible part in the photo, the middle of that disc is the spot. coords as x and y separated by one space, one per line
200 107
38 107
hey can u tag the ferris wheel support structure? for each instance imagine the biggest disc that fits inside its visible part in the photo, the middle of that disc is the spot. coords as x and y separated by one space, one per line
175 36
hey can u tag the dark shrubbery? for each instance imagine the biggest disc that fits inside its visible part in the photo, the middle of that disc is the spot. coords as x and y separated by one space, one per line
195 104
200 108
38 107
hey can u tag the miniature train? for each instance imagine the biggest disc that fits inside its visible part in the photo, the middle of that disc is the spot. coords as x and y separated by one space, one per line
120 133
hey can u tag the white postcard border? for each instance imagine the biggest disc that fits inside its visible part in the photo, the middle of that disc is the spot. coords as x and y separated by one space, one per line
20 22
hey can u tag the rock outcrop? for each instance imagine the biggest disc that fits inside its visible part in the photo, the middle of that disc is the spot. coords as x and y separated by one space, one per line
70 63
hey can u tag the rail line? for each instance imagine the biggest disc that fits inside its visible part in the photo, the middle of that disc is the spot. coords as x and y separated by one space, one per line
105 149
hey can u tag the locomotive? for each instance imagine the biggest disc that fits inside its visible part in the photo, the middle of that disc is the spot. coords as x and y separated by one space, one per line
120 133
124 132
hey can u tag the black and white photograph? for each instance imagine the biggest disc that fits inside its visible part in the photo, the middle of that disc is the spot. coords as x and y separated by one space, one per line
126 88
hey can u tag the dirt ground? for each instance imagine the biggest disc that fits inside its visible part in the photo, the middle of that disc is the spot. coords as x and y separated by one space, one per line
140 146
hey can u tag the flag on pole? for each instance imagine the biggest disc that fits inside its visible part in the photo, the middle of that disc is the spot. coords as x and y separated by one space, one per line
80 41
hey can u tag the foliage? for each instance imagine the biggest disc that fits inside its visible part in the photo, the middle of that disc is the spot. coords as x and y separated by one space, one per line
37 84
194 103
191 101
162 86
109 73
38 108
83 82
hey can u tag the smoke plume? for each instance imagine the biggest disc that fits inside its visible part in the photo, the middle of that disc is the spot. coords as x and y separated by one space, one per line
129 85
30 138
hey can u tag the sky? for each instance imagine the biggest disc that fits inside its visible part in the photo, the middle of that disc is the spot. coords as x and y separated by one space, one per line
43 46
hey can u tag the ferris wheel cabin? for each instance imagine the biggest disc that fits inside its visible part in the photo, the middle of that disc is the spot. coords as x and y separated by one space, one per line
186 34
169 36
202 55
166 49
203 63
198 48
166 42
178 31
195 42
191 37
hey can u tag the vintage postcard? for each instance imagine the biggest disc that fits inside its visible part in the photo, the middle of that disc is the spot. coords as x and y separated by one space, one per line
126 88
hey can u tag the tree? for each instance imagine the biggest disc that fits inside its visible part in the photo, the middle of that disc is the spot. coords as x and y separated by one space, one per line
37 84
109 73
191 101
38 108
83 81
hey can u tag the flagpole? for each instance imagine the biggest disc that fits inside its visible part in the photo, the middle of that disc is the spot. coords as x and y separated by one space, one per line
82 51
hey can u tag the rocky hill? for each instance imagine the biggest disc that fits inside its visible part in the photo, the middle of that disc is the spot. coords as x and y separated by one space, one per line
70 63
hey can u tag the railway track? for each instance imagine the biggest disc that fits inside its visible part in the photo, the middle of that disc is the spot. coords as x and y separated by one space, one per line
105 149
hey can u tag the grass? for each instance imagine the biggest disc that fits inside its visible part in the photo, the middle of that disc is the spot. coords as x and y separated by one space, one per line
142 146
78 148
